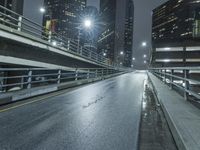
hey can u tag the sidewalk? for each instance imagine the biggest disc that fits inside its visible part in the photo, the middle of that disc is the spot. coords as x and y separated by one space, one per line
183 118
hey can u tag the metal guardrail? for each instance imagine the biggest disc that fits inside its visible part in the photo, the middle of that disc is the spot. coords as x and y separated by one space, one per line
186 80
24 25
12 79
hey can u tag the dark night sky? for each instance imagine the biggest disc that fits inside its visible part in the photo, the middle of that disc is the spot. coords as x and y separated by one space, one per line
142 28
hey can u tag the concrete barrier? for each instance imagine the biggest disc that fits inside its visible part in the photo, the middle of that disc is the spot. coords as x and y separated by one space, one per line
28 93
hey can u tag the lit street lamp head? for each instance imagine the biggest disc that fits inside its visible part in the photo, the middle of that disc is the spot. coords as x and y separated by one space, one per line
121 53
42 10
144 44
87 23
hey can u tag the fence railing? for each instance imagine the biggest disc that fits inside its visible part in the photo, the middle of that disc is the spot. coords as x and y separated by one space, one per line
24 25
12 79
186 80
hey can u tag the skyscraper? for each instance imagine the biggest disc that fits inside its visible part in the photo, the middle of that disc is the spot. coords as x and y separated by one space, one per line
176 33
64 16
128 33
106 42
14 5
116 39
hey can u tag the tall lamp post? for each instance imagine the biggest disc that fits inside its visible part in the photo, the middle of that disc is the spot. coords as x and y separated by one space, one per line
86 24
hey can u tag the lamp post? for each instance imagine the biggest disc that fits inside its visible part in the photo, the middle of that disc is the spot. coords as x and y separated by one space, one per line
87 24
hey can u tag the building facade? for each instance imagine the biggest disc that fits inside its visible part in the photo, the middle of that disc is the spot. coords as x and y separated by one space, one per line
117 34
128 34
64 16
106 41
14 5
176 33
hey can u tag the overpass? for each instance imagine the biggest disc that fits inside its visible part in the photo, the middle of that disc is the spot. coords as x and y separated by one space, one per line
26 43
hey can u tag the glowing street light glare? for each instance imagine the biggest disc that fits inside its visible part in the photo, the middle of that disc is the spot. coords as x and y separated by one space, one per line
145 62
87 23
42 10
121 53
104 54
145 56
54 43
144 44
133 58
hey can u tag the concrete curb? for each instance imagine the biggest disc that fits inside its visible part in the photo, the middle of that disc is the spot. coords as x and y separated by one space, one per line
28 93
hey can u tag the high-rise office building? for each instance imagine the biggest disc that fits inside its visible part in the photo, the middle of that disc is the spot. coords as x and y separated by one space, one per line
117 17
176 33
128 34
106 42
14 5
64 16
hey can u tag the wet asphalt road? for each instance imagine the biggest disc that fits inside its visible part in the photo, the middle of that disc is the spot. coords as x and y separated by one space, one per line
101 116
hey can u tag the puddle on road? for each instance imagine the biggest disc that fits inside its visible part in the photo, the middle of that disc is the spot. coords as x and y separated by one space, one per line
154 130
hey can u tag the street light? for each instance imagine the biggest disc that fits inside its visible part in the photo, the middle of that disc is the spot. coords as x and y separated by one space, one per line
144 44
121 53
145 56
42 10
54 43
133 58
87 23
145 62
104 54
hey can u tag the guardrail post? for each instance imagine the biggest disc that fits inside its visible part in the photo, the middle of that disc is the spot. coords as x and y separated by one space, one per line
68 45
171 79
88 74
96 73
76 75
81 49
29 79
59 76
90 54
102 73
19 23
165 76
49 36
22 83
186 76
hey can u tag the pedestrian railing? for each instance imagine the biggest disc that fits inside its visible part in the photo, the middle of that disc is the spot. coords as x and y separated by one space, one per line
186 80
12 79
24 25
